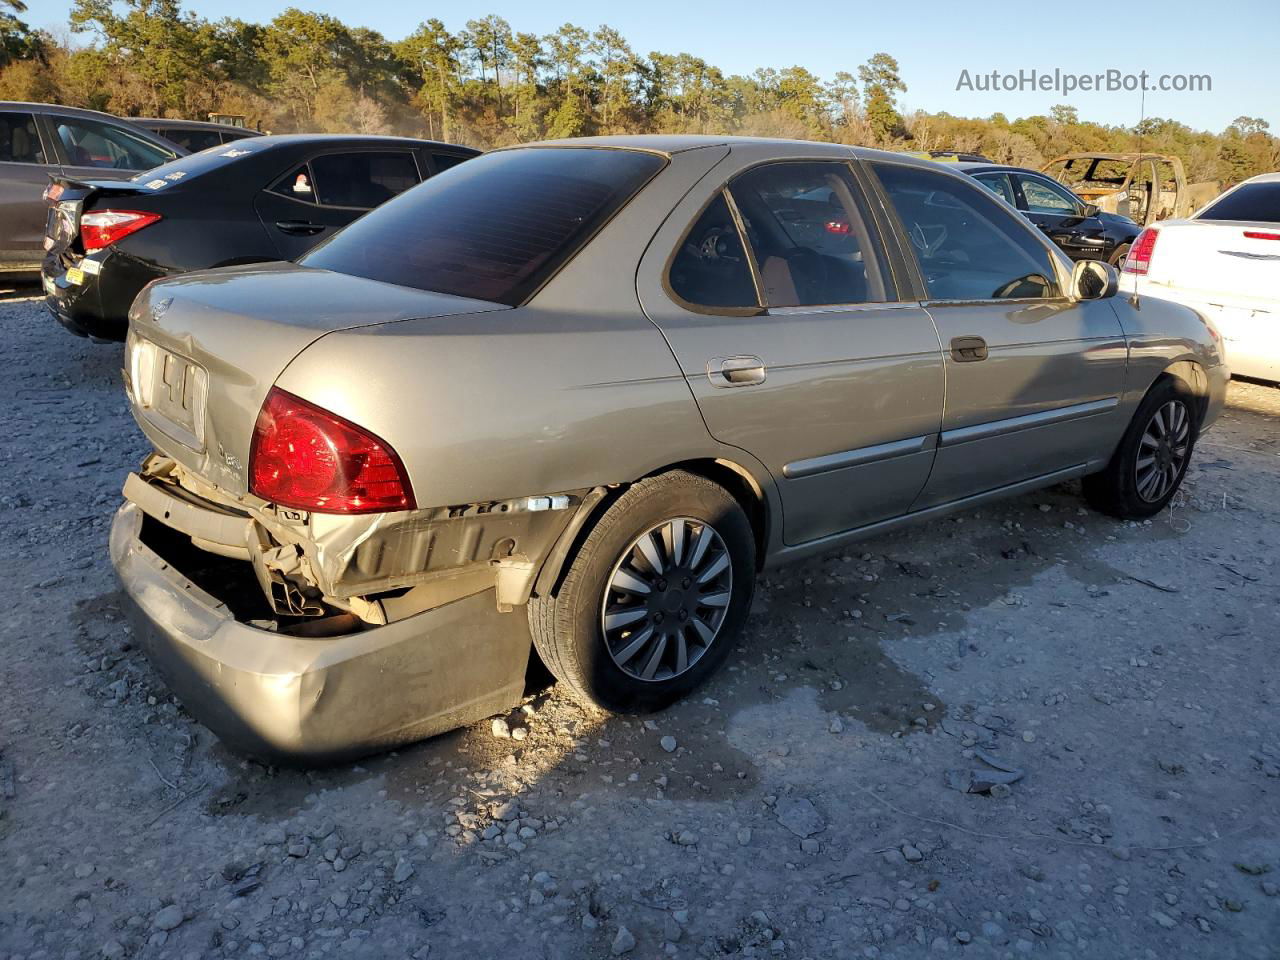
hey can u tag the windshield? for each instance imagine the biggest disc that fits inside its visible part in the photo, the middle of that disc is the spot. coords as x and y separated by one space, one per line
494 228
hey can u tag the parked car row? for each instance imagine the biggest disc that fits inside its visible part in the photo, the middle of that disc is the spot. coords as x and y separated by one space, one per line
40 139
257 200
571 398
1080 229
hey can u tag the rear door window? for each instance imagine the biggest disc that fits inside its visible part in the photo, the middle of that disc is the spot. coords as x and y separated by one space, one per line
363 180
998 183
807 234
19 139
496 228
297 184
444 161
91 143
967 245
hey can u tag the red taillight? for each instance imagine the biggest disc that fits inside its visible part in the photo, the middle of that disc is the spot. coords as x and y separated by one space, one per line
837 226
1259 235
311 459
102 228
1139 258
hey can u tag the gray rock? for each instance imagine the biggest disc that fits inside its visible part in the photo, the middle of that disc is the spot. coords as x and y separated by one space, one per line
168 918
992 930
799 816
1162 918
500 728
668 744
506 811
912 854
964 936
112 950
744 836
624 942
404 870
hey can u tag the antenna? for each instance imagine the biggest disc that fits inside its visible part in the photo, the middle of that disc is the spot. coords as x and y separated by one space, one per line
1142 114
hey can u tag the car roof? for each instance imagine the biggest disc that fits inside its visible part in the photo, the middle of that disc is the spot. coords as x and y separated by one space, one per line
176 124
1264 178
22 105
972 168
276 139
669 144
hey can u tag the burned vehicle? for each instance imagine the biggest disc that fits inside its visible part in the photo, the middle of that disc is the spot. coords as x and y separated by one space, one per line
571 397
1145 187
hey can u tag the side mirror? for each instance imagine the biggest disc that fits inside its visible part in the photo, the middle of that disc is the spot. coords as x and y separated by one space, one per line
1090 209
1094 280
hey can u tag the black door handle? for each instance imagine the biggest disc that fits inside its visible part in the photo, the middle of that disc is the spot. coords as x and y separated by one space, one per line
968 349
301 227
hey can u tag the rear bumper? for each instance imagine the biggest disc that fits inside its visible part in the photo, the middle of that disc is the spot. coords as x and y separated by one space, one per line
319 700
94 302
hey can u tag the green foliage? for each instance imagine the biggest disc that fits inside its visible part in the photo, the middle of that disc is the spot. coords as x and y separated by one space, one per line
489 85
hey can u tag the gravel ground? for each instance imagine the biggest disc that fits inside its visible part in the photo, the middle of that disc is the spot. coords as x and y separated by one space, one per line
803 805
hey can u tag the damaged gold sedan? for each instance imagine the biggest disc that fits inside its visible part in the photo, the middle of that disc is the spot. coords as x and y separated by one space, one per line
571 397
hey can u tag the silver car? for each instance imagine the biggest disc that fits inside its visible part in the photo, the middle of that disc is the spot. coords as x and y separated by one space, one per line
572 397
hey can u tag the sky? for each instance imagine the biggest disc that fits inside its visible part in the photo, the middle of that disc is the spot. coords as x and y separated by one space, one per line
1234 42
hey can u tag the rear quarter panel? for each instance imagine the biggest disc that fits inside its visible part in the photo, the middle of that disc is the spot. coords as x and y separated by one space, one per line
1166 336
573 390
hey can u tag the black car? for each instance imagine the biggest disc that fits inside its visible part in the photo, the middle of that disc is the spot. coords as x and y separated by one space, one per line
195 135
39 139
1080 229
261 199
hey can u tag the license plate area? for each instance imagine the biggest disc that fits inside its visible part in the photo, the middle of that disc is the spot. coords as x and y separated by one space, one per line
170 391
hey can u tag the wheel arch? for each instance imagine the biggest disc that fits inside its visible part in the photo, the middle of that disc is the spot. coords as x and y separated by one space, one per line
1191 373
741 484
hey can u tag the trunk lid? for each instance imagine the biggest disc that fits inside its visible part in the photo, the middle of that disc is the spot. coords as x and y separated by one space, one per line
205 348
1225 262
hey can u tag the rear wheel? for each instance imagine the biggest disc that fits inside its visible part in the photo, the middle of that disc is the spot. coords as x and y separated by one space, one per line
1119 255
655 597
1148 466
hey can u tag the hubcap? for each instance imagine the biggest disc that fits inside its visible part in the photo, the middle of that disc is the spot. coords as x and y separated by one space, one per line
667 599
1162 451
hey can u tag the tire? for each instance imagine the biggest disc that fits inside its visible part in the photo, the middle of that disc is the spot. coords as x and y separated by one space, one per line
591 632
1118 255
1160 438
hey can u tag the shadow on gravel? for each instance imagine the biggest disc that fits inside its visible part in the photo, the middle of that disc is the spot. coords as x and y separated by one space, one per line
831 624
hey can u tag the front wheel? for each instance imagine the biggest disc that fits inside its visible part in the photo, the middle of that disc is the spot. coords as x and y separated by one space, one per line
1148 466
655 597
1119 256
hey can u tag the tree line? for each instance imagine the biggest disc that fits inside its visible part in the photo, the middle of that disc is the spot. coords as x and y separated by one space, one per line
489 85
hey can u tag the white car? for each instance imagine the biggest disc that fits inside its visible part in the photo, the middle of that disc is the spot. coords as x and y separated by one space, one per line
1224 262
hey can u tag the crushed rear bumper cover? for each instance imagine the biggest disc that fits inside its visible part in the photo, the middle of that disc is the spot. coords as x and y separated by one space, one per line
312 700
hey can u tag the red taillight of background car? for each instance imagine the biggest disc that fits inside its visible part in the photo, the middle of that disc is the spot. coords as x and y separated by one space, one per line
837 226
1261 235
1139 258
102 228
311 459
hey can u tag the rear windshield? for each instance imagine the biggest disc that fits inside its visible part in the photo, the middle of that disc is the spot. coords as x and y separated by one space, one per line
184 168
1253 201
494 228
